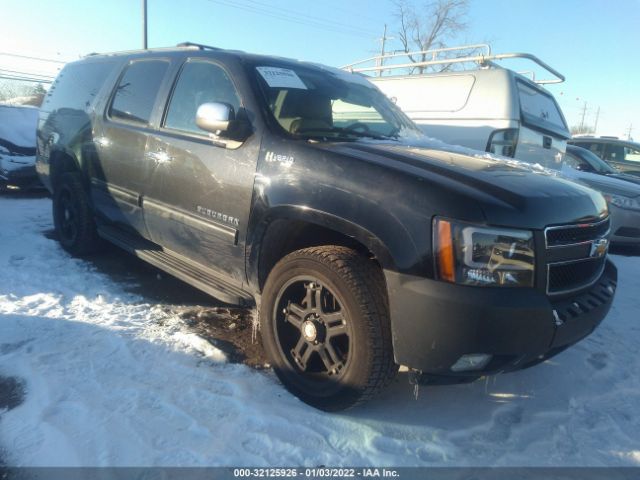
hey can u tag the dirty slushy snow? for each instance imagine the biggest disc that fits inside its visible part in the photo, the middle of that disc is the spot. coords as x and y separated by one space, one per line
112 378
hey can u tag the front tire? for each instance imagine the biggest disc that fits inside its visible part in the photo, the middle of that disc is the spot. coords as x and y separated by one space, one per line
72 216
325 326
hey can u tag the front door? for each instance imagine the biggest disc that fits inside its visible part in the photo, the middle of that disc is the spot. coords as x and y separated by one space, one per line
200 191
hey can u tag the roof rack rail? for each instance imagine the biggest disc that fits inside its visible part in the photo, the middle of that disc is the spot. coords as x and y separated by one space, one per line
462 54
198 45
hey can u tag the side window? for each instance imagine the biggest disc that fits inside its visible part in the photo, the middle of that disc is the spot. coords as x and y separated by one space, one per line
347 115
199 82
613 153
77 85
136 93
631 154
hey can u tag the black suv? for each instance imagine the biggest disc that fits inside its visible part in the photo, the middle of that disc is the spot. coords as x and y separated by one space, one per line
303 191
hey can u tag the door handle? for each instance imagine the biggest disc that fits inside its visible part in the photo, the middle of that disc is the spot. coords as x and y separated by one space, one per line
159 156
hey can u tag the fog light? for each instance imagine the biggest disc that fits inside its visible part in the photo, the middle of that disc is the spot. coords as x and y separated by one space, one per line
474 361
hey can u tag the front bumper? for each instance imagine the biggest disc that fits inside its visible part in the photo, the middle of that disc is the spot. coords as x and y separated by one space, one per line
625 226
435 323
22 177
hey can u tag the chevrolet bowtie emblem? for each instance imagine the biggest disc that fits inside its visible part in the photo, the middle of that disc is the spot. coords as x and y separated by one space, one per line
599 248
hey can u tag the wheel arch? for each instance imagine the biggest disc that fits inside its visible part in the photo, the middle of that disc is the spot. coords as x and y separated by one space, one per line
286 229
62 161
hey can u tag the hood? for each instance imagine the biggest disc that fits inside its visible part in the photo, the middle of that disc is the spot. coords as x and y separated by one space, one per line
509 192
612 184
18 129
626 177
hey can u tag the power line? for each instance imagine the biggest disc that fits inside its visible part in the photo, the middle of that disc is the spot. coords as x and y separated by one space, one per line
295 18
310 17
24 79
27 74
32 58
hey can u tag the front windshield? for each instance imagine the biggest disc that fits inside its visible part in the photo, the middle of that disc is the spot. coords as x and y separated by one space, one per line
597 163
327 104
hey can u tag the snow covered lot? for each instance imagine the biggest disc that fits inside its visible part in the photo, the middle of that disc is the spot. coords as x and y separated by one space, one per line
102 374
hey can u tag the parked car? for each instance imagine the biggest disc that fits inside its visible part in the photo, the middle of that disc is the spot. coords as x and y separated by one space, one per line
484 107
361 250
622 191
623 155
18 147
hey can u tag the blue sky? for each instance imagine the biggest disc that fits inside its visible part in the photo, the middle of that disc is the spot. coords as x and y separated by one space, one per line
594 43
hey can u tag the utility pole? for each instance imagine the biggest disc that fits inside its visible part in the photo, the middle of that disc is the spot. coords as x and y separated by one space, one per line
383 42
584 112
629 131
595 126
144 24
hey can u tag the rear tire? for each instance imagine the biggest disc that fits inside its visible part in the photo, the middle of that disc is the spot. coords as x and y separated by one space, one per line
325 327
72 216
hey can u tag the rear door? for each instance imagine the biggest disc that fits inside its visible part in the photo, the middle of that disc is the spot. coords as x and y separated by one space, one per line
201 186
543 133
121 171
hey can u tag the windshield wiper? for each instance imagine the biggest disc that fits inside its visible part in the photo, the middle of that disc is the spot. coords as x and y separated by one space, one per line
345 132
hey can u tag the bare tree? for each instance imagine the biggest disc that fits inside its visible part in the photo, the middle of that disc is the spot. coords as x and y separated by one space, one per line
22 93
581 129
429 27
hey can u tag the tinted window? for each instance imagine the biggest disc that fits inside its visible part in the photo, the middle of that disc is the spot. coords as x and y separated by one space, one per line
136 93
77 86
596 148
538 108
614 153
199 82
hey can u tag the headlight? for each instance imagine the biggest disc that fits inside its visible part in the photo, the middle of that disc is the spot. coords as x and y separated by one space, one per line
474 255
623 202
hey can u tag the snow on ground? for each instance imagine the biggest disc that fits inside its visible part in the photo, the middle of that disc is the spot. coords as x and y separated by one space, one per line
114 378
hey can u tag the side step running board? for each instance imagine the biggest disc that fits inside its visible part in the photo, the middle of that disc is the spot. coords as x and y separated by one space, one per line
180 267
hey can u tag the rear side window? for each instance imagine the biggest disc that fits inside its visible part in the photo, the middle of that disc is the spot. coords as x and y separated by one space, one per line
137 90
539 109
199 82
77 85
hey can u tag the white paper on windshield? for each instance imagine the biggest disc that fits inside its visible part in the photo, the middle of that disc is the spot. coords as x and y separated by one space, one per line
281 78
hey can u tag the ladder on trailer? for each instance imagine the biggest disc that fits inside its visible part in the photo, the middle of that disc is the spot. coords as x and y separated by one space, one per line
477 54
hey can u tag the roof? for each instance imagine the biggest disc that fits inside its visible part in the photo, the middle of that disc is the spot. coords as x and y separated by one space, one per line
603 139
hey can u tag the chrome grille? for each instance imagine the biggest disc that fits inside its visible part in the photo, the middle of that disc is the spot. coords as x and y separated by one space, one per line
576 234
584 262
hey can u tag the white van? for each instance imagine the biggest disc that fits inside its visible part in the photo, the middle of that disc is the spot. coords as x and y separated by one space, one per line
487 108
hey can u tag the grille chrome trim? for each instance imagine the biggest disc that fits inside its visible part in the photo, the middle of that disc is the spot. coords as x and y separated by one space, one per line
591 235
568 227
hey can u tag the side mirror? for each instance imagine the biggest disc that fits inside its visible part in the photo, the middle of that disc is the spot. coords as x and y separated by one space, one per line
584 168
214 117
